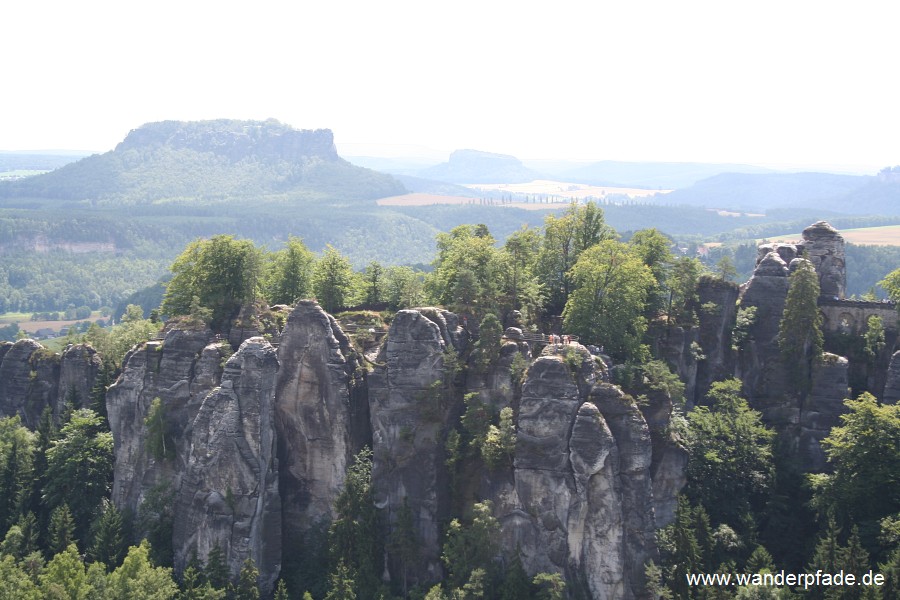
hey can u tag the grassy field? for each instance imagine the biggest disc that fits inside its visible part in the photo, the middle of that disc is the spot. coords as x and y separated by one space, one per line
26 324
565 191
418 199
552 194
886 235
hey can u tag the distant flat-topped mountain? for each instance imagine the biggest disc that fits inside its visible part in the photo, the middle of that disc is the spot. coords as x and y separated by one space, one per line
474 166
211 161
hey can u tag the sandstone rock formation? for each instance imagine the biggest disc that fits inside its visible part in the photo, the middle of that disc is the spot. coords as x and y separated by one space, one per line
321 416
580 499
33 378
257 443
229 495
892 387
409 404
823 246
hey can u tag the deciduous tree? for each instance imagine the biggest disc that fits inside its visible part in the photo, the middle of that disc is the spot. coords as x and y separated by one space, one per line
612 285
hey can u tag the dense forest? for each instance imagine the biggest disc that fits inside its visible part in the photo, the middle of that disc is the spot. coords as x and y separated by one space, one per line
747 507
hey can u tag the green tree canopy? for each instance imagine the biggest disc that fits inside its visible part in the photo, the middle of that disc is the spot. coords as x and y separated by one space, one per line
333 280
79 467
289 273
865 454
222 273
730 466
612 285
466 270
565 238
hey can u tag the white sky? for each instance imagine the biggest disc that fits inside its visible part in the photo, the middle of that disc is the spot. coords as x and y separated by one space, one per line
786 82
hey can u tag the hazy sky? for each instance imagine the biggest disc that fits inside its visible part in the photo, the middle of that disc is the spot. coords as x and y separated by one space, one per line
773 82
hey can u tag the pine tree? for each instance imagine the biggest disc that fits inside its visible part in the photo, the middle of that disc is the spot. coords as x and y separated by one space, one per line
107 532
342 585
247 587
827 557
891 572
404 543
800 333
516 584
760 561
281 592
61 532
216 568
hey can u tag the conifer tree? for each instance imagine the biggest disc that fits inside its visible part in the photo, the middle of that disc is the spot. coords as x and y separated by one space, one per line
216 569
109 544
800 333
61 532
516 584
247 587
281 592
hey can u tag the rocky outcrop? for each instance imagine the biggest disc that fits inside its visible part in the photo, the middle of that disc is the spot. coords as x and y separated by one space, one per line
78 368
759 367
892 386
717 302
33 378
409 407
580 497
29 381
321 416
823 246
763 372
235 139
822 409
229 495
179 370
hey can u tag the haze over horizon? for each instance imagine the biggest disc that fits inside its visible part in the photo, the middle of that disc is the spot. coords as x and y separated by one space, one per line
771 84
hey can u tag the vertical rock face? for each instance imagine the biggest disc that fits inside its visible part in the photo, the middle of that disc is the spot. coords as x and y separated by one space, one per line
78 369
408 416
33 378
717 315
822 409
759 366
823 246
892 386
581 499
262 439
180 371
317 416
229 492
29 381
762 368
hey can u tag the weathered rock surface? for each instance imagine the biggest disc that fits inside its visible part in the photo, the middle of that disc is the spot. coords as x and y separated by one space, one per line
892 386
320 417
717 313
822 409
29 381
180 371
580 500
823 246
78 368
229 490
759 365
409 412
33 378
